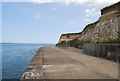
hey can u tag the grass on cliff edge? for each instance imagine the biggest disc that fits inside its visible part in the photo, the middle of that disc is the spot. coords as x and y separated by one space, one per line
110 42
76 41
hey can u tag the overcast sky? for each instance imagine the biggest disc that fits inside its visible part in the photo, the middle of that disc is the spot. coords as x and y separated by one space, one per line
43 21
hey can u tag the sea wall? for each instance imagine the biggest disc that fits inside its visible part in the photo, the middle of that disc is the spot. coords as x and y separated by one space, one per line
107 51
35 68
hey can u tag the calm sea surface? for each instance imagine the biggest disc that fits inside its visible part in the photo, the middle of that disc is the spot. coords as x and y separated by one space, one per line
16 57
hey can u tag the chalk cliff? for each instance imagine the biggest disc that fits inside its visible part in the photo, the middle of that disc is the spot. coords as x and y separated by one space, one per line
69 37
105 29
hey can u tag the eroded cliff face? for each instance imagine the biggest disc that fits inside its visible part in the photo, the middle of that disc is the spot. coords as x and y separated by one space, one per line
105 29
69 37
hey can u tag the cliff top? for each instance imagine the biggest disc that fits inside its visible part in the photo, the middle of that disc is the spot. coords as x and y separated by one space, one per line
114 7
91 25
72 33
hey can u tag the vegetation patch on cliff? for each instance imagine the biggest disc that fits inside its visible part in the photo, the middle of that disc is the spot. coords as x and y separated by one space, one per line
109 42
76 41
73 42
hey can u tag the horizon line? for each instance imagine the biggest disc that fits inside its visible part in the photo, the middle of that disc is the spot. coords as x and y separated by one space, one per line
27 43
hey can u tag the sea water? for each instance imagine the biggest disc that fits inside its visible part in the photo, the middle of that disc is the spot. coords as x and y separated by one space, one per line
16 57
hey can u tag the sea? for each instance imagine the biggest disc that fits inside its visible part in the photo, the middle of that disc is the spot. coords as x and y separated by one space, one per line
16 57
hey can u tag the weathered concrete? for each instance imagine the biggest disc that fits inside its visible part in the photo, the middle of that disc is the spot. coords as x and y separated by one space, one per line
34 69
69 63
107 51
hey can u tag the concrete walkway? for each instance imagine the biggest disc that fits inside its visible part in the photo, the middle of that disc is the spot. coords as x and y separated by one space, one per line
69 63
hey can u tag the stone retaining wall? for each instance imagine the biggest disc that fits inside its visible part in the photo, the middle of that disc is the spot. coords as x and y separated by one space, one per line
107 51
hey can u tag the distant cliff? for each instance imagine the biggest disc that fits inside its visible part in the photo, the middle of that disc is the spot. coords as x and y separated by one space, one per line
104 30
69 37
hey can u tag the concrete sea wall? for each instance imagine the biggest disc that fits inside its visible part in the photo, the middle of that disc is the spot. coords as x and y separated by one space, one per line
52 63
107 51
35 68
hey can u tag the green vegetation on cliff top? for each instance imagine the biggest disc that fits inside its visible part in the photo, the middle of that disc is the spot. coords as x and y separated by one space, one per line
76 41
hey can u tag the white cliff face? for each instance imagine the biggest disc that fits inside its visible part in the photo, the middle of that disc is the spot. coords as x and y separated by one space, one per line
65 39
106 29
68 37
103 31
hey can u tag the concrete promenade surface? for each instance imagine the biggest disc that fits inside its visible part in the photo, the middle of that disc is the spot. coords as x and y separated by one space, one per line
69 63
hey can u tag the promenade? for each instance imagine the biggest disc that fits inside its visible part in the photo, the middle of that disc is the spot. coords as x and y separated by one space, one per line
68 63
